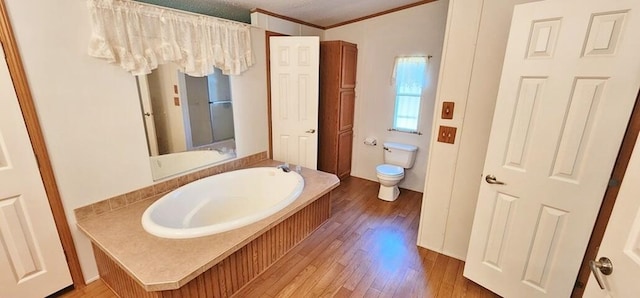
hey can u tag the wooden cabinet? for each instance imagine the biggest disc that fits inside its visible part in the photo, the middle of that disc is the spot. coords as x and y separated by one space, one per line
345 109
349 59
345 144
336 107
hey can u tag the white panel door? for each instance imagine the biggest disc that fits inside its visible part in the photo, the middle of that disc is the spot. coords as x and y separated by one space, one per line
621 242
295 63
570 78
32 262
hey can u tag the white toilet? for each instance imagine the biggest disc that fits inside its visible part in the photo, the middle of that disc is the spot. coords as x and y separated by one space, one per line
397 157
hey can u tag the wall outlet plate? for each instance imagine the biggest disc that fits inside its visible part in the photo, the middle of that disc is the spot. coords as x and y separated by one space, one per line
447 134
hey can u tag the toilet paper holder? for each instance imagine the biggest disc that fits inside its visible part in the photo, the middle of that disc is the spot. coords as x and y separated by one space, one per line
370 141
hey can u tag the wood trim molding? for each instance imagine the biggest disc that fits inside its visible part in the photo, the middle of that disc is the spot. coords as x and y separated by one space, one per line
379 13
610 196
273 14
25 100
268 34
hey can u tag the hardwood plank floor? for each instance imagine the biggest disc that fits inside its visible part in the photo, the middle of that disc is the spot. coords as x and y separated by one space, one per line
366 249
97 289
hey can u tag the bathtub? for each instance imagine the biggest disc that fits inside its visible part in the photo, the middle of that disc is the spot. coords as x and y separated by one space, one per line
222 202
167 165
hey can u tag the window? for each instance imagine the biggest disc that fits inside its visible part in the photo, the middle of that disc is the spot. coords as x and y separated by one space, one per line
410 77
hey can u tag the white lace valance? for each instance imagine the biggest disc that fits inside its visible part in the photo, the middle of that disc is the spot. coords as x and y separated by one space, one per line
138 37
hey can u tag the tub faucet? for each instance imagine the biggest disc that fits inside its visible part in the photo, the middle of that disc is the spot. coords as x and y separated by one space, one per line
284 167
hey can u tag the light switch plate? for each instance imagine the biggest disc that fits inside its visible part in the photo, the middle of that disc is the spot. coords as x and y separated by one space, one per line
447 134
447 109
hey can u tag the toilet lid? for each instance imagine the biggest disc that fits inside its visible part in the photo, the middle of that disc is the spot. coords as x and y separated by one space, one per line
390 170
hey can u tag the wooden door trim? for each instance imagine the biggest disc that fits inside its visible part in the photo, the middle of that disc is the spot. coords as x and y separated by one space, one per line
25 100
377 14
286 18
268 34
610 196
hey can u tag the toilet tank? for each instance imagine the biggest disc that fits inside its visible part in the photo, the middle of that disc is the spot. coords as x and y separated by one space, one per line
398 154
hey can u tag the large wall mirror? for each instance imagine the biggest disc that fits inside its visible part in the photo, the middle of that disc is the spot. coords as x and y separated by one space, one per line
188 120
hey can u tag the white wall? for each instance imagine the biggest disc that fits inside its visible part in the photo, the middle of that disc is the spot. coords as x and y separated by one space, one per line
249 92
274 24
90 112
415 31
474 48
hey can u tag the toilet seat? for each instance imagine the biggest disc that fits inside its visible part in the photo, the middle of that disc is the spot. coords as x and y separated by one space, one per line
389 171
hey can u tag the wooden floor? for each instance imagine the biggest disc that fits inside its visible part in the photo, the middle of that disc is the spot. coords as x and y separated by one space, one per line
366 249
96 289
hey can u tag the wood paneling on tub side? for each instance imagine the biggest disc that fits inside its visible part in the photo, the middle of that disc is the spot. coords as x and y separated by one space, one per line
231 274
117 279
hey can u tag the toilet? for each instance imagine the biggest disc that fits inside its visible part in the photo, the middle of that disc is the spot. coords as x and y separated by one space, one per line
397 157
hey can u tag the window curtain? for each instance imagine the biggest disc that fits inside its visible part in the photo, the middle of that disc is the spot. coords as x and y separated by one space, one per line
409 77
409 74
138 37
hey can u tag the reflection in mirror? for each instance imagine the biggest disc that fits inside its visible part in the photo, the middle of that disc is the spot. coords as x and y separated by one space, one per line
207 109
188 120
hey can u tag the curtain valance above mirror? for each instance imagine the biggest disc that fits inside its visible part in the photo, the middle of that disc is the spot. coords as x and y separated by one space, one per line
138 37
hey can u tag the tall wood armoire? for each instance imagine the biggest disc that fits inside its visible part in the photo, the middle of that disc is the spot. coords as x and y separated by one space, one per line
337 102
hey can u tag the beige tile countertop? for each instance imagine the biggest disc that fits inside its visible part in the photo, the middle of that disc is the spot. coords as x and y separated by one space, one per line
165 264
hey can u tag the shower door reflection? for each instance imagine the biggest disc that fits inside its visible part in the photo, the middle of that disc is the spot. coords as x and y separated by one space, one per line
208 112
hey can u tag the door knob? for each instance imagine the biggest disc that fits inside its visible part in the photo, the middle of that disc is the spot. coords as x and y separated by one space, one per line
492 180
311 131
147 114
602 265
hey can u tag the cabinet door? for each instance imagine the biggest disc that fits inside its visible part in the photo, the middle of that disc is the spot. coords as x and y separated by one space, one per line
349 62
345 142
347 105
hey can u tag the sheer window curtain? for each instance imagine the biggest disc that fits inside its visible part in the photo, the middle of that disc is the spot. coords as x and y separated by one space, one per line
409 77
138 37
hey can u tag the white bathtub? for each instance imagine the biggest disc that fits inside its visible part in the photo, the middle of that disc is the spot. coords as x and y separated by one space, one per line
222 202
167 165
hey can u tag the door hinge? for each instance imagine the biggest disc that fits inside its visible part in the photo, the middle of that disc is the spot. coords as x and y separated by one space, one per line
614 182
2 50
65 255
38 162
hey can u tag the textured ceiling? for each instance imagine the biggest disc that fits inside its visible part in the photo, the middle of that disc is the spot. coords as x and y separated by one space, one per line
319 12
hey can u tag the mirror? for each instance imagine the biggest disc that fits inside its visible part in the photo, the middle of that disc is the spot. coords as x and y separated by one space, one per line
188 120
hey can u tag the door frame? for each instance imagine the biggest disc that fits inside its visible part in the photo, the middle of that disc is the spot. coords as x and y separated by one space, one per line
610 196
267 35
149 120
27 106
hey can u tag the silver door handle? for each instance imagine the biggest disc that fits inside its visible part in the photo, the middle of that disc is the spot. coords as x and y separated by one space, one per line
604 266
311 131
492 180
